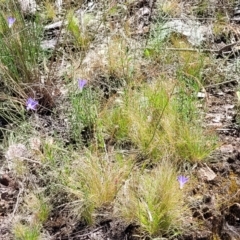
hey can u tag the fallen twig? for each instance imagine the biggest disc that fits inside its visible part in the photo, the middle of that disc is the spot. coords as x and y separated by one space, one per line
17 202
221 83
206 50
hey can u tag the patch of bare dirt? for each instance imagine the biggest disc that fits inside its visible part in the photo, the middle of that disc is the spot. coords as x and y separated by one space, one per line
215 201
9 190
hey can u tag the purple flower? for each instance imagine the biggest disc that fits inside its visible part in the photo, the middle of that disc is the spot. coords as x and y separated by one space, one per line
182 180
81 83
31 104
11 21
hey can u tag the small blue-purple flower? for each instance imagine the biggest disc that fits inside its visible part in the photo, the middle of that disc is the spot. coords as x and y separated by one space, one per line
31 104
81 83
182 180
11 21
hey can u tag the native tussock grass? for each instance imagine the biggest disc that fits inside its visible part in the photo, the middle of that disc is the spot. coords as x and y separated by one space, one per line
21 62
148 200
155 120
129 111
96 180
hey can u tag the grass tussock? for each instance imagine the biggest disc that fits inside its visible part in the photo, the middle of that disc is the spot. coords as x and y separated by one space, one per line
97 181
35 213
22 231
151 118
153 200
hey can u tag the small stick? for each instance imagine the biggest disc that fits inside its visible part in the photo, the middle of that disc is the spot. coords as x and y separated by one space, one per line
17 202
206 50
221 83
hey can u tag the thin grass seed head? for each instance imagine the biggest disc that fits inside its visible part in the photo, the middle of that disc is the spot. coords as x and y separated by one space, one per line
182 180
81 83
11 21
31 104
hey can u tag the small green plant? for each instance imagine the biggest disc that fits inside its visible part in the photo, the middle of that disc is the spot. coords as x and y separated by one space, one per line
153 200
193 143
25 232
50 11
38 207
169 8
85 107
53 153
202 8
156 42
77 29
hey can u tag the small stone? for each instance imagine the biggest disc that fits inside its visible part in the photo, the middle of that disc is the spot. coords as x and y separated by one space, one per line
49 44
206 173
54 26
201 95
227 148
217 119
220 93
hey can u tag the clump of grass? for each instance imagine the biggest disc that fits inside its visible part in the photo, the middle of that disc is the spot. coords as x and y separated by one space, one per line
193 62
193 143
22 63
50 10
120 61
169 8
25 232
135 114
151 118
36 209
84 112
202 8
21 51
52 153
78 30
95 180
152 199
38 206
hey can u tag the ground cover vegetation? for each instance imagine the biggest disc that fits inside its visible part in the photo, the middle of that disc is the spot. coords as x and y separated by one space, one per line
101 119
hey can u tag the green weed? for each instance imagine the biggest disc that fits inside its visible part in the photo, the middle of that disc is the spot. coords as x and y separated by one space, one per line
24 232
38 206
37 209
84 112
